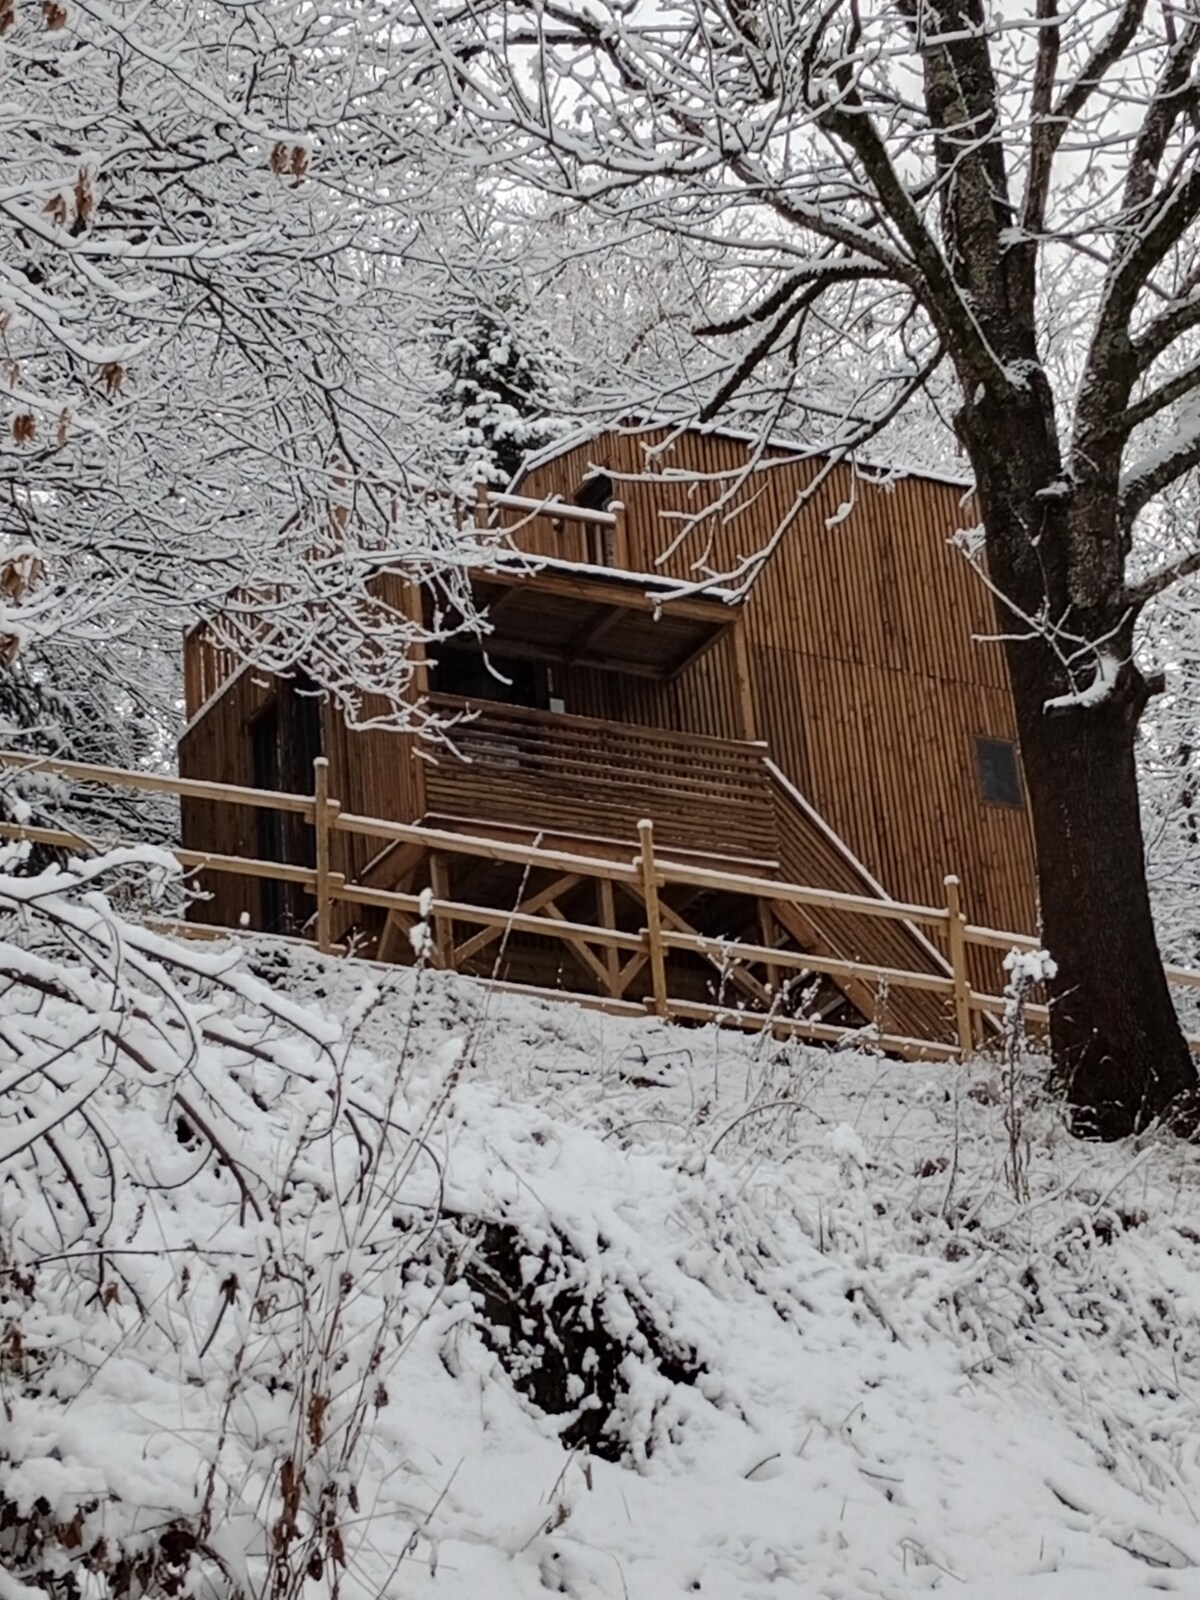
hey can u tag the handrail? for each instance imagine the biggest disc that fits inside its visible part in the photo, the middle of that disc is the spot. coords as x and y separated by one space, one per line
555 721
562 510
647 871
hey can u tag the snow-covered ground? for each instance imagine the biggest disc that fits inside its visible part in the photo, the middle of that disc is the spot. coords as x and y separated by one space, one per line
803 1330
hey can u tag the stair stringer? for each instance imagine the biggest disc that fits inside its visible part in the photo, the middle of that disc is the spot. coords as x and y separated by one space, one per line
813 854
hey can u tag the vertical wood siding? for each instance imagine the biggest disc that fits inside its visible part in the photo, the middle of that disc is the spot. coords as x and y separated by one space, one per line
868 636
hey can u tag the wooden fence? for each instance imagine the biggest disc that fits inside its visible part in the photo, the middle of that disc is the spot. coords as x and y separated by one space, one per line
648 872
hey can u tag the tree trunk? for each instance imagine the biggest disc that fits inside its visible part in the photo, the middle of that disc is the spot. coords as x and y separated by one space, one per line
1115 1038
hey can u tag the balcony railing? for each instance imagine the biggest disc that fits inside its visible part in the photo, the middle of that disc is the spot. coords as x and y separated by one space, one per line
579 776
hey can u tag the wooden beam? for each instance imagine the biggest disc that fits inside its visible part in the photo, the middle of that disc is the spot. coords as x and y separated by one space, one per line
608 918
767 933
324 810
827 1033
807 934
964 1021
744 682
392 867
722 957
443 926
485 848
632 591
808 962
159 783
532 903
397 926
554 507
648 890
597 968
607 619
630 971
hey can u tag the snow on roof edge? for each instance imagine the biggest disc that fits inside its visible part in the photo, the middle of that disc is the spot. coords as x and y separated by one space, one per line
774 441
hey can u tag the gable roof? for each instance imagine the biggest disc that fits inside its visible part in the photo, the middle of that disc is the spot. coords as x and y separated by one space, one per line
790 448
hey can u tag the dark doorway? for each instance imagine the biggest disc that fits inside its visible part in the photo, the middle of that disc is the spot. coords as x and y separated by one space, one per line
466 674
286 738
269 829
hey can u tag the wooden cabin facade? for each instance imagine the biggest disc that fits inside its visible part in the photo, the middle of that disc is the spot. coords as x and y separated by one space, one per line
844 722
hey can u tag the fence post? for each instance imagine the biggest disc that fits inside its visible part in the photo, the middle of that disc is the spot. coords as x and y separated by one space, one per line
324 810
443 927
654 939
964 1024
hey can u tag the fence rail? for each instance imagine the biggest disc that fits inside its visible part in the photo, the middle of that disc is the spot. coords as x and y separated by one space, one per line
648 871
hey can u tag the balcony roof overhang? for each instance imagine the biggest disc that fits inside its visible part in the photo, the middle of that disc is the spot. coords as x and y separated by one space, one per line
613 621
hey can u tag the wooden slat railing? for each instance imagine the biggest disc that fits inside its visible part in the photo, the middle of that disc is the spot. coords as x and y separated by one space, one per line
648 869
510 765
552 527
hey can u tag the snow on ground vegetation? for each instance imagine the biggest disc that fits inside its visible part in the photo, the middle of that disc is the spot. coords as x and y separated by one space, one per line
320 1280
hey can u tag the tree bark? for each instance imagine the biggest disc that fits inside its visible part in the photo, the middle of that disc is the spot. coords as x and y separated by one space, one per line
1115 1039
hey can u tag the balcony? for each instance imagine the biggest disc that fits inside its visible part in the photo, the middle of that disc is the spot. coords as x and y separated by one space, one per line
519 770
559 590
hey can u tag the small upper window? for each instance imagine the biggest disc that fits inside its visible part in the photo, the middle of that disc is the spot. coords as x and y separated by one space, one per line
999 772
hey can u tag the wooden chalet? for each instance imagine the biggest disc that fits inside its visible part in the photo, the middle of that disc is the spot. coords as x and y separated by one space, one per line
846 723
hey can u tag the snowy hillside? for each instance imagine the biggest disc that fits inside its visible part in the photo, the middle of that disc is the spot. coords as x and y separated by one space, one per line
483 1298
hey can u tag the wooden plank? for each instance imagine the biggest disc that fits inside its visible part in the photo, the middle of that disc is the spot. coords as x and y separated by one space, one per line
323 810
635 592
531 903
443 923
486 849
796 894
804 961
597 968
961 982
486 916
397 928
558 508
655 950
608 919
160 783
248 867
822 1032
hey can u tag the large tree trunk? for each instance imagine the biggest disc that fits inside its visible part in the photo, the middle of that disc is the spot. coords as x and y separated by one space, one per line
1115 1039
1114 1035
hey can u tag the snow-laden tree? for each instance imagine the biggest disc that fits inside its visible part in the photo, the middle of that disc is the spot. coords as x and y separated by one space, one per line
210 381
498 394
1007 193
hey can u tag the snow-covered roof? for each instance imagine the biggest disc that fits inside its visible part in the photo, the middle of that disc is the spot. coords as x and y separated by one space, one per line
770 442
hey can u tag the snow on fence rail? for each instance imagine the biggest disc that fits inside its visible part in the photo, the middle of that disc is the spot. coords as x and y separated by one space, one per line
647 871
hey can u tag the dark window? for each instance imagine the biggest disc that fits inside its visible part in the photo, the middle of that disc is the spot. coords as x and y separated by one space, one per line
597 492
599 542
999 772
309 701
466 674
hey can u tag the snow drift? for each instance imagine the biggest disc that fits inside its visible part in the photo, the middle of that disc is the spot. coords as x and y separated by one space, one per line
319 1279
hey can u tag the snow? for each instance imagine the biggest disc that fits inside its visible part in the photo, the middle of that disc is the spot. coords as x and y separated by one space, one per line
822 1349
1103 682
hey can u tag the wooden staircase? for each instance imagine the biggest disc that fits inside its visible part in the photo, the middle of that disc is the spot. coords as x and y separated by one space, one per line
810 852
